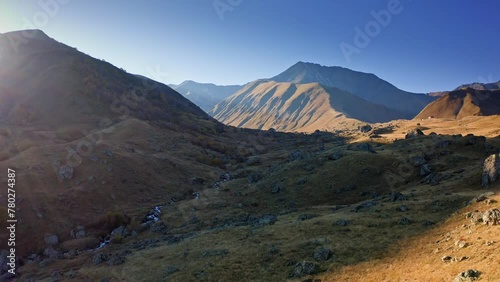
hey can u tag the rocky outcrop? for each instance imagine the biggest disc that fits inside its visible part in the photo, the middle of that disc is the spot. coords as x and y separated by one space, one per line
491 170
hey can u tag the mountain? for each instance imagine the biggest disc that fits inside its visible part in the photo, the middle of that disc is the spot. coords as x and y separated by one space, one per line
365 85
46 82
120 178
481 86
87 140
462 103
287 106
205 95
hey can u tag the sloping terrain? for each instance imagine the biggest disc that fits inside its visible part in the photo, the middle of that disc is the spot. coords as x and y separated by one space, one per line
311 207
68 128
112 187
205 95
297 107
481 86
365 85
463 103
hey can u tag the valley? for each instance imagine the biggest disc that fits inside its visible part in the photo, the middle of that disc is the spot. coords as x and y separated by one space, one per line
317 174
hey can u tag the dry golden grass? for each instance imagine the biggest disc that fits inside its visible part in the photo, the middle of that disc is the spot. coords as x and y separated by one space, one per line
365 249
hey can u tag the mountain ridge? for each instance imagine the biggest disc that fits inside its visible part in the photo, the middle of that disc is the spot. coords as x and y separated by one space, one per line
286 106
365 85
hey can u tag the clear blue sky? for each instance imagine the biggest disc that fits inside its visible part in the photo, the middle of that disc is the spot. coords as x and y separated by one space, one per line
429 45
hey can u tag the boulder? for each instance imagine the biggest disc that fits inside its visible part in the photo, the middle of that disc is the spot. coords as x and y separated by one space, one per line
491 170
418 160
253 160
51 239
365 128
99 258
366 147
467 276
52 253
304 268
414 133
322 254
65 172
295 155
169 271
404 221
335 156
491 217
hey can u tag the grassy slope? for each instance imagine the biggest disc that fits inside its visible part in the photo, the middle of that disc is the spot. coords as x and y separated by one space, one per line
363 249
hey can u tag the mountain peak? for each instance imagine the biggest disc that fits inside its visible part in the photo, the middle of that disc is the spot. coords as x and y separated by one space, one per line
28 34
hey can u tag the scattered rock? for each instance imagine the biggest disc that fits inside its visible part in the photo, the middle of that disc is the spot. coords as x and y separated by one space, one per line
46 262
446 259
254 177
309 167
107 152
336 156
158 227
403 208
52 253
396 196
120 231
418 160
301 180
428 223
296 155
475 216
116 260
78 233
366 147
364 205
414 133
435 178
215 253
467 276
65 172
268 219
342 222
197 181
404 221
304 268
491 170
425 170
169 271
253 160
276 188
491 217
365 128
51 239
461 244
322 254
99 258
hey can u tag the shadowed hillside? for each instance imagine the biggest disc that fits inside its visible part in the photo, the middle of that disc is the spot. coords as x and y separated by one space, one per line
462 103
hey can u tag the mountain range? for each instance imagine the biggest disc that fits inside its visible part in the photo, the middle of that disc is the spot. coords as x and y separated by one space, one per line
121 178
205 95
463 102
307 97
